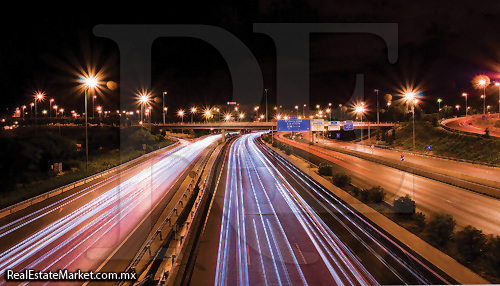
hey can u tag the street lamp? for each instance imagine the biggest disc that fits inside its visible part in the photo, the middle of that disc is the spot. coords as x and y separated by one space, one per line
193 111
143 100
55 110
164 108
378 122
465 95
304 110
498 84
24 107
62 112
93 108
181 114
38 97
439 103
266 104
329 113
360 110
88 82
50 107
297 108
410 98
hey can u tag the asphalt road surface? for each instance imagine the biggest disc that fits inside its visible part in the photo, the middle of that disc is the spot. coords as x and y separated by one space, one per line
81 230
277 226
466 207
462 124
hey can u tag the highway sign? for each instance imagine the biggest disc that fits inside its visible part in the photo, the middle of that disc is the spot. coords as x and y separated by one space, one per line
333 125
428 147
294 125
318 125
348 125
402 157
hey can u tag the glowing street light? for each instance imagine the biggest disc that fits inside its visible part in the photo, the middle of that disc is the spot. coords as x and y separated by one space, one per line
304 110
55 109
465 95
50 107
181 113
89 82
360 110
193 111
297 108
207 114
143 99
23 107
410 97
482 81
38 97
439 103
164 108
242 115
498 84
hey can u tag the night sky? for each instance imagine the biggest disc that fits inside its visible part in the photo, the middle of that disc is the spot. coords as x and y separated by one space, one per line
442 46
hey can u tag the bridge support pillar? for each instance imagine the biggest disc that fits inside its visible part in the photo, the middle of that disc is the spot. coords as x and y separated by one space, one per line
223 131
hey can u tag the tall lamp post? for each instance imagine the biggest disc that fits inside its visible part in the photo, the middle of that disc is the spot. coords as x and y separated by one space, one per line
378 121
93 108
50 107
439 103
89 82
193 111
360 110
164 110
482 83
38 97
498 84
297 108
304 111
465 95
143 100
410 98
266 104
24 107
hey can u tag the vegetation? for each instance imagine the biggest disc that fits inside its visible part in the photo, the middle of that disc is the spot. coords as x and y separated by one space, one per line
445 143
26 163
325 169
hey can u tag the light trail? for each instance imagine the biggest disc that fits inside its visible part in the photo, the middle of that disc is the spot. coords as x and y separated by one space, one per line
60 244
256 186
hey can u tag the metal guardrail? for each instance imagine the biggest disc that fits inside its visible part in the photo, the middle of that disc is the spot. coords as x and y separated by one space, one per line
175 211
29 202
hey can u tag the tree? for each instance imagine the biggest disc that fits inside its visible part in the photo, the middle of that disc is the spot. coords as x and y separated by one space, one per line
341 180
492 254
376 195
470 243
325 169
404 207
439 229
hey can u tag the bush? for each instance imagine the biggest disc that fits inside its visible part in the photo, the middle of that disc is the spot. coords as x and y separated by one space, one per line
470 243
376 195
492 254
355 191
341 180
439 229
404 207
419 221
288 150
275 144
325 169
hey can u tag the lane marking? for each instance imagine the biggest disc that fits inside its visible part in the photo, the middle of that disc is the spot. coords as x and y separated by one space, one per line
300 252
248 255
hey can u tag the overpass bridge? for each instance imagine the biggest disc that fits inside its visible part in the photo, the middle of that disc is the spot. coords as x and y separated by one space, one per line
232 125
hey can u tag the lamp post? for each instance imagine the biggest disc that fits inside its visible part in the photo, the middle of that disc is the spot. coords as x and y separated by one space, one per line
50 107
164 110
38 97
266 104
329 114
193 111
143 100
304 111
55 110
360 110
89 82
93 108
465 95
31 111
297 108
181 114
482 83
498 84
378 121
439 104
410 98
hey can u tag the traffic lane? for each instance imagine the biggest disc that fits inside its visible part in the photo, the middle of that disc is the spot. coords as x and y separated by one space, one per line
69 246
379 255
479 171
23 223
284 243
165 164
462 124
431 196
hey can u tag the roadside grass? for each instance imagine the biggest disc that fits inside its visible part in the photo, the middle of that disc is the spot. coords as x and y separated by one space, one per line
447 143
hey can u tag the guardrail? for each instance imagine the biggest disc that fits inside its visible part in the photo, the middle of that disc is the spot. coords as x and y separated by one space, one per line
172 218
29 202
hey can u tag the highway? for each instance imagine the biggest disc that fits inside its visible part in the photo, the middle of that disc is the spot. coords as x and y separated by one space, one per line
274 225
81 230
463 124
467 207
476 171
